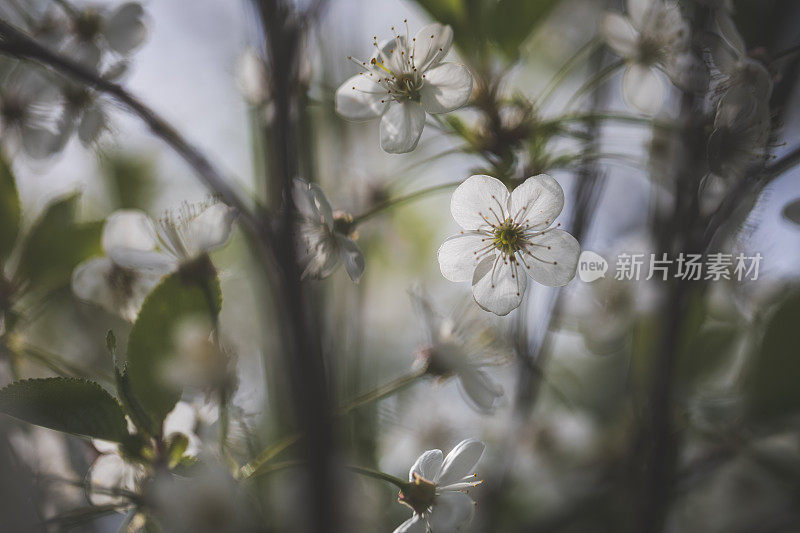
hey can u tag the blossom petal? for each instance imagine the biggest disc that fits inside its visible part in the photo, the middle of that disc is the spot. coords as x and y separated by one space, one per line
642 88
92 123
431 45
359 98
113 288
552 257
458 255
401 127
392 54
638 11
352 257
461 461
415 524
497 286
428 465
212 228
183 419
447 87
125 29
321 204
110 471
619 34
451 511
537 202
479 202
481 391
129 239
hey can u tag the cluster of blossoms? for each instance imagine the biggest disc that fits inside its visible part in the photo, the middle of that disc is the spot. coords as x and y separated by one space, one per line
39 112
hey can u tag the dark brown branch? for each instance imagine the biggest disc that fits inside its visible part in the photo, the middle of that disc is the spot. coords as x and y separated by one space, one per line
16 43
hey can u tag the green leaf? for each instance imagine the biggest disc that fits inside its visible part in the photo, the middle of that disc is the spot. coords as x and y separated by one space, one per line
705 352
75 406
513 21
191 293
9 209
505 23
57 244
772 385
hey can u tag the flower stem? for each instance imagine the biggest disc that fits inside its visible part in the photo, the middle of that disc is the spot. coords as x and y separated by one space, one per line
393 202
582 53
597 79
257 465
382 391
368 472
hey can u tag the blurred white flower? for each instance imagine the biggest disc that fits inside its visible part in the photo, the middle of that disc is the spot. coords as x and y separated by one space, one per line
653 36
176 238
97 29
323 235
115 288
139 252
29 107
741 132
437 489
404 79
506 236
112 474
251 77
462 347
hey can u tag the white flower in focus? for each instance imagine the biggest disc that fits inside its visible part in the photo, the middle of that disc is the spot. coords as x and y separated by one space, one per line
741 132
654 36
462 347
323 235
437 489
505 237
404 79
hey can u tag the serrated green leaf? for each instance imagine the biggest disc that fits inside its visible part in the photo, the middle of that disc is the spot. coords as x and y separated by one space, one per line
9 209
181 296
771 386
57 244
75 406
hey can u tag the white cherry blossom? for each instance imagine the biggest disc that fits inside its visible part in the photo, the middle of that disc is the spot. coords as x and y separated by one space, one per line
139 252
506 236
654 36
404 79
460 345
437 489
323 235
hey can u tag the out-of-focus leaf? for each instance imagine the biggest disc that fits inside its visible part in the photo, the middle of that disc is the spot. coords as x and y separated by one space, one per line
151 346
476 23
132 178
75 406
705 351
9 209
773 382
792 211
57 244
512 21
